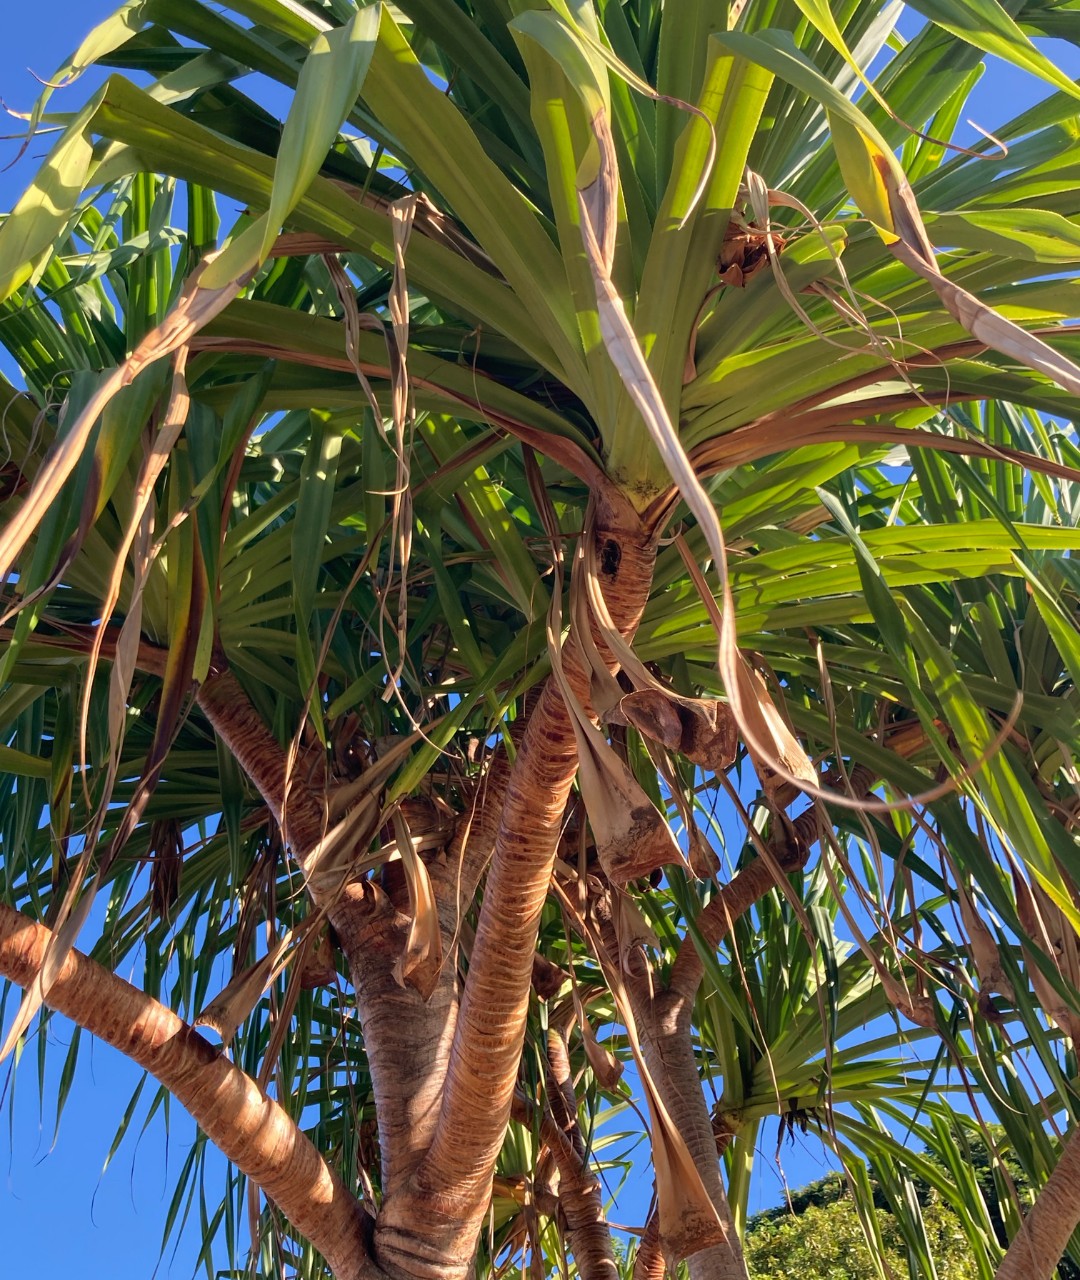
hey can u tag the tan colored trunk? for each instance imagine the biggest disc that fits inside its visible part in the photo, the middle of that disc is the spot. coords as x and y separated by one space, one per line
407 1039
1038 1245
649 1263
430 1230
580 1196
301 817
230 1108
579 1188
669 1055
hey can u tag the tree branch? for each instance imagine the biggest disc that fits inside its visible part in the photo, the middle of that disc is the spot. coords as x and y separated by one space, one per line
649 1261
302 820
579 1196
254 1132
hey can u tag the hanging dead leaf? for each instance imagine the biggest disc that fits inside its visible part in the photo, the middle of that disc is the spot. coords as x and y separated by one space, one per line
632 837
766 727
421 961
701 729
914 249
984 950
605 1066
1046 929
165 853
689 1221
319 968
635 934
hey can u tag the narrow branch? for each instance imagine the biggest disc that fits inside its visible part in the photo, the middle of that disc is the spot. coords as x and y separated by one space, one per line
649 1261
1037 1247
579 1194
254 1133
789 848
78 639
229 710
714 920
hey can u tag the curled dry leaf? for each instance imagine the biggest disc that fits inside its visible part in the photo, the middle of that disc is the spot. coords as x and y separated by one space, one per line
915 1006
235 1002
319 969
634 932
632 837
1046 929
701 729
984 951
420 962
605 1066
703 859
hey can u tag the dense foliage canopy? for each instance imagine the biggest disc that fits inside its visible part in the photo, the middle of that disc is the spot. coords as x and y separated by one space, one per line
518 552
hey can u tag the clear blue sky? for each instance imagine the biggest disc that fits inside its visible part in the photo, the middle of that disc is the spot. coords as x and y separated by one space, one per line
58 1215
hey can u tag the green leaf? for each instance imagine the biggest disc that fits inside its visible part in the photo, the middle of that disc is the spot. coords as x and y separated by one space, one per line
987 25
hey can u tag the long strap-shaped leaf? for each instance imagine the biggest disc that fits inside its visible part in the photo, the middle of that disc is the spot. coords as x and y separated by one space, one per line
879 186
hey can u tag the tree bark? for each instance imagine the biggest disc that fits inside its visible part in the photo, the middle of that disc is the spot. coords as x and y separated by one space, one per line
430 1230
579 1196
407 1038
254 1133
1038 1245
649 1263
669 1055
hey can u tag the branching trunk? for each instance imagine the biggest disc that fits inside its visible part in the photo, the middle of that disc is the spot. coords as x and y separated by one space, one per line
431 1229
251 1129
407 1039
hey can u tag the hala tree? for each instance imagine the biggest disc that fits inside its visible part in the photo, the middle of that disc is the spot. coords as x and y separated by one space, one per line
575 413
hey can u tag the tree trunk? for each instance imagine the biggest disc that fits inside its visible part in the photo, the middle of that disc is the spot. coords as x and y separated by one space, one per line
669 1055
430 1229
1038 1245
229 1107
407 1038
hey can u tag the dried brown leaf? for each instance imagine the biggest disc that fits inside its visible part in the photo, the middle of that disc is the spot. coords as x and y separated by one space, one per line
421 961
195 307
701 729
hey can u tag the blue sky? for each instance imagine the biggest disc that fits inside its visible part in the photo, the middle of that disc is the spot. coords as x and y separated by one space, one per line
58 1214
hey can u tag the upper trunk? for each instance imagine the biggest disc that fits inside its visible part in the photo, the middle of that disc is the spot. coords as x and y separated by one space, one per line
430 1230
